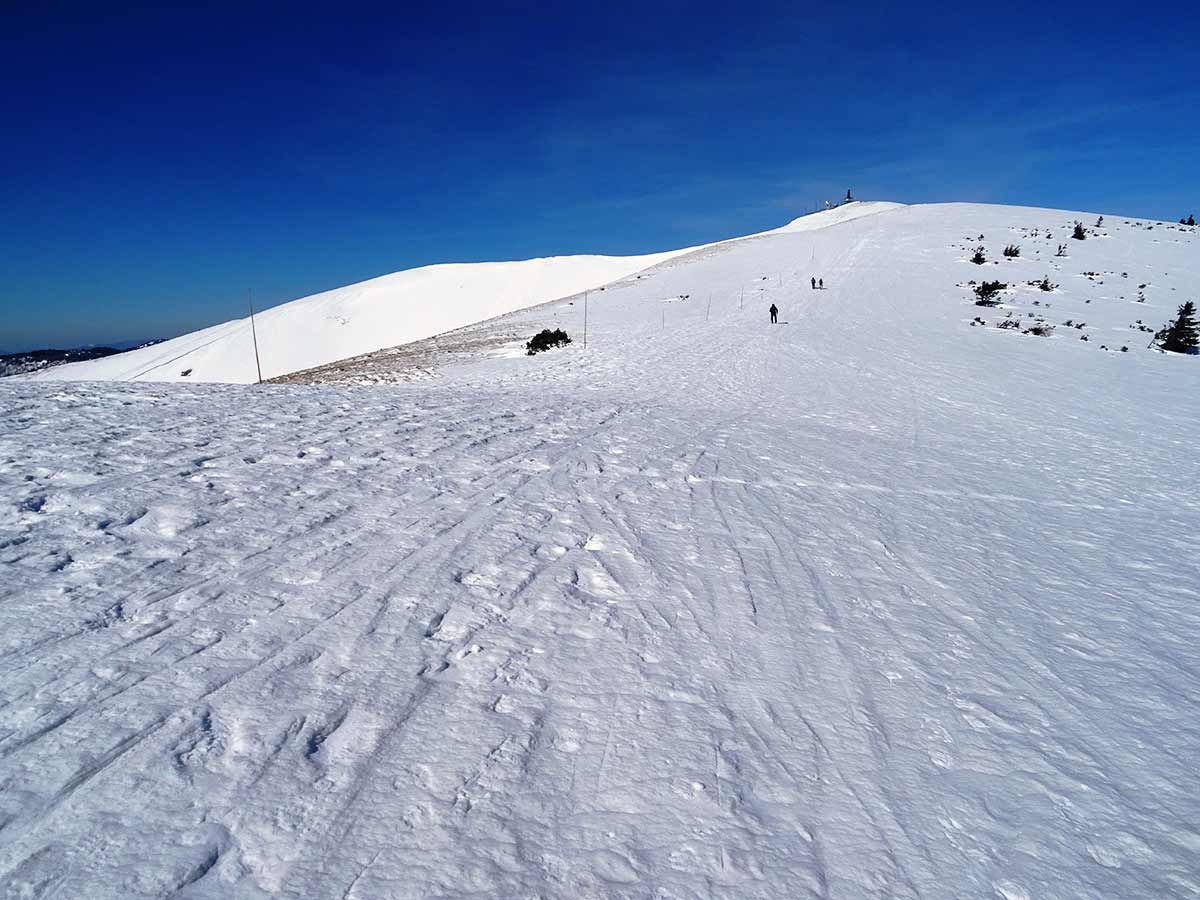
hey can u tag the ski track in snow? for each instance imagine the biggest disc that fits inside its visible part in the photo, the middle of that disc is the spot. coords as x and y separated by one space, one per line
870 605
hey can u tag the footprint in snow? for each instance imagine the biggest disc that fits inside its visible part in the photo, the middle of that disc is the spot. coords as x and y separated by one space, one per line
566 740
613 867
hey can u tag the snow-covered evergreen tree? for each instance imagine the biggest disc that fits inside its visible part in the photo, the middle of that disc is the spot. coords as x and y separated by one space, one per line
1183 335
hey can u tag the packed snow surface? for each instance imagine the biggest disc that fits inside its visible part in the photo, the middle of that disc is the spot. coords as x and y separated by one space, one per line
872 604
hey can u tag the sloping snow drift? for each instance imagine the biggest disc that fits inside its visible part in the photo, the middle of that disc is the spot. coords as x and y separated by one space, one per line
873 604
385 311
382 312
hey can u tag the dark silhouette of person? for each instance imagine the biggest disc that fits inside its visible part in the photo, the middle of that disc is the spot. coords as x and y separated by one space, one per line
774 314
814 283
821 282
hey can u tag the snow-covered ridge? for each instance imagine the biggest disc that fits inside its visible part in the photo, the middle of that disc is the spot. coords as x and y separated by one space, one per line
384 312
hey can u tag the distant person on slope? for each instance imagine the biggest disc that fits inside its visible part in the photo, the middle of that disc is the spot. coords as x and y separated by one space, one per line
821 283
774 314
814 283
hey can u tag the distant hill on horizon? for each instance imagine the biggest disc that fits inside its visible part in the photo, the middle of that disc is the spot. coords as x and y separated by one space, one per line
26 361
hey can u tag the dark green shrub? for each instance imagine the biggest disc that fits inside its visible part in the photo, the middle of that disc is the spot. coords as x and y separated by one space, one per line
988 293
546 340
1182 335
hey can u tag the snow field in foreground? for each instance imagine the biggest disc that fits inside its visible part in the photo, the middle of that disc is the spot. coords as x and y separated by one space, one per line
874 604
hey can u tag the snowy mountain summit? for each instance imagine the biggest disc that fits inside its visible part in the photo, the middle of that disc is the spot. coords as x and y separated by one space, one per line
897 598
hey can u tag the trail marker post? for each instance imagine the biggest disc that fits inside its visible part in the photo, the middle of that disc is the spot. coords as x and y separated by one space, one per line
254 333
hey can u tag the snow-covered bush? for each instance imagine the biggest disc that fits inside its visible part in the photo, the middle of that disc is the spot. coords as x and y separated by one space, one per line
1012 251
1080 233
979 259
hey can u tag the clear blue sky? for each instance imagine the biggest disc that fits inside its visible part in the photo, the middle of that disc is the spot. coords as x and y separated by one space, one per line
157 162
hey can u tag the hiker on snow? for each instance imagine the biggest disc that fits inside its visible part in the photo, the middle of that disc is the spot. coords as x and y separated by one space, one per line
814 283
774 314
821 282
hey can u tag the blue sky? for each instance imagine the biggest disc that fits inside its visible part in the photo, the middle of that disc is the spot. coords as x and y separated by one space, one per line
157 163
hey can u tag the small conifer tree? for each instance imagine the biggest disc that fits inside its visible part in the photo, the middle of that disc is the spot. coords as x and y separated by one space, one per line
1183 335
989 293
979 259
1080 233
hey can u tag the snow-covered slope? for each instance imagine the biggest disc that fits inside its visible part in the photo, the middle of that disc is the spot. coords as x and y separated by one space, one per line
873 604
383 312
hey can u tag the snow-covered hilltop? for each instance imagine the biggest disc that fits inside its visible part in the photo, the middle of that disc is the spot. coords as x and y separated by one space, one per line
881 602
382 312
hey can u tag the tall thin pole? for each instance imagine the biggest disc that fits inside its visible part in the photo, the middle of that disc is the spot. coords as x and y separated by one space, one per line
709 309
585 299
254 333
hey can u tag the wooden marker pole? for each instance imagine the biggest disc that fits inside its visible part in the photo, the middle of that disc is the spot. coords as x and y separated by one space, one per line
254 334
